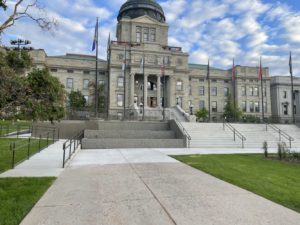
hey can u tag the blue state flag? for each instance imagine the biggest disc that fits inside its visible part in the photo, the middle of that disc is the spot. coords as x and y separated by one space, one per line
95 37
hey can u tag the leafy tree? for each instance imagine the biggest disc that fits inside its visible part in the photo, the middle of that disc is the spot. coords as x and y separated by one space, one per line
46 97
202 114
18 60
76 100
21 9
13 92
231 112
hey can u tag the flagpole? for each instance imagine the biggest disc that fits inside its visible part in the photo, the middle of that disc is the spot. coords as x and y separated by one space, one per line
208 77
96 76
108 66
124 85
262 90
292 83
234 90
163 74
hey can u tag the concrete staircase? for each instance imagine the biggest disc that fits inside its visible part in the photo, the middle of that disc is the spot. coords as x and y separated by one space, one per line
210 135
119 134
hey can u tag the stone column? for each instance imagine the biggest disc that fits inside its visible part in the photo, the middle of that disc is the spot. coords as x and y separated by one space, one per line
145 90
132 85
158 91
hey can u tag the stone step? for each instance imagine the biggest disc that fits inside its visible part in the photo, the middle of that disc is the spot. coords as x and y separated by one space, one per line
129 134
112 143
138 125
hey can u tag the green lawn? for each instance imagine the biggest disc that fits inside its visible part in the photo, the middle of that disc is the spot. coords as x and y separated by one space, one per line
21 154
18 196
275 180
7 126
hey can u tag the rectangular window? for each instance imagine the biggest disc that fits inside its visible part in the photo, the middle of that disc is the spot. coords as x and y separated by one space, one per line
146 34
179 85
251 106
202 91
244 106
69 82
120 100
226 91
53 70
70 71
138 34
201 80
86 72
251 91
101 82
120 82
256 106
285 94
214 107
285 110
86 84
152 34
214 81
265 91
214 91
243 91
256 91
201 104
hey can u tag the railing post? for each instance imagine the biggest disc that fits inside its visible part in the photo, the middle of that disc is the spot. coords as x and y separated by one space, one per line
234 134
47 139
64 155
70 148
13 146
7 129
28 150
40 143
53 137
290 142
74 145
18 128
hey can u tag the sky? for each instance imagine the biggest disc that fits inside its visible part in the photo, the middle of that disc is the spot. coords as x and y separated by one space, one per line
219 30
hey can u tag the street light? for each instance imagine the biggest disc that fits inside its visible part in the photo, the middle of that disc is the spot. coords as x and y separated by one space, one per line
20 42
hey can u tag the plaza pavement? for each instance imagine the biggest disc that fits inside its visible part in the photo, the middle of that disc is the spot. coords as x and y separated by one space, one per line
146 187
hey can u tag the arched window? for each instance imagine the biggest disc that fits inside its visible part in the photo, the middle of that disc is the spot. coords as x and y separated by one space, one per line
179 85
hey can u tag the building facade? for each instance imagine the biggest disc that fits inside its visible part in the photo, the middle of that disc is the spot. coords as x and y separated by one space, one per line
282 106
143 74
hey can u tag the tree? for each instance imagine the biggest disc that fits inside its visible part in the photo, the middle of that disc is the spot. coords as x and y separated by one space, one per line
18 60
77 100
13 92
34 11
231 112
202 114
46 96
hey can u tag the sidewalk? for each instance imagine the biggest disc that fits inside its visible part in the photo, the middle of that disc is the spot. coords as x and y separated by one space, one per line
47 163
134 187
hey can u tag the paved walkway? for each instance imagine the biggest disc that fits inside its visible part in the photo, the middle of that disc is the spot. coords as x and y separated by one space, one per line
47 163
146 187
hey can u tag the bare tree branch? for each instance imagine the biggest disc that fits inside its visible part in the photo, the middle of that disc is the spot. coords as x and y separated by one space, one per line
40 18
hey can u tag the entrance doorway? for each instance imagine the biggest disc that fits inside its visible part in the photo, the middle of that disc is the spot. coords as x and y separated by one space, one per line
153 102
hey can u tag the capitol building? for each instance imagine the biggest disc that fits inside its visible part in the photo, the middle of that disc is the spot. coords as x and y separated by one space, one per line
144 74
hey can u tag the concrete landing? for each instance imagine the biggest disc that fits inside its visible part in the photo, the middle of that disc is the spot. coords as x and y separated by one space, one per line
121 189
47 163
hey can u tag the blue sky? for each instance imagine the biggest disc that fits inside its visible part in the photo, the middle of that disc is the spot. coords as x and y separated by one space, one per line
215 29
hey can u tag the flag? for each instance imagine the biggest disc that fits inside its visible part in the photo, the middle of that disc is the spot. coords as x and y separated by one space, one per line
233 71
260 70
95 41
124 60
291 64
208 71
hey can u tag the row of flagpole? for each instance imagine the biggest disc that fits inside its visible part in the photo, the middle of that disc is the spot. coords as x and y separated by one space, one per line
96 46
263 91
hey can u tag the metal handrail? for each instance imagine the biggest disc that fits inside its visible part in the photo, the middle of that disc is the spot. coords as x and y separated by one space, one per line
73 142
235 132
187 136
20 144
281 133
13 129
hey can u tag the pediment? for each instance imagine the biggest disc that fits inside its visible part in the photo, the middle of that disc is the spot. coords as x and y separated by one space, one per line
146 19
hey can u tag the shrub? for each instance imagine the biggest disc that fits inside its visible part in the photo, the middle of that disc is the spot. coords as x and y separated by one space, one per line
265 148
